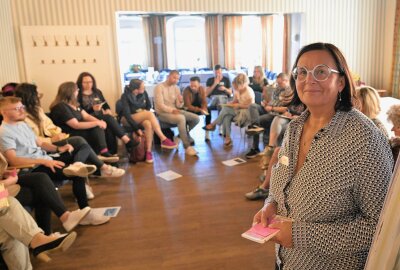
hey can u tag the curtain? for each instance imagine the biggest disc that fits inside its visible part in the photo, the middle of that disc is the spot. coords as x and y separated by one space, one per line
267 24
149 44
286 43
157 26
212 47
396 54
232 37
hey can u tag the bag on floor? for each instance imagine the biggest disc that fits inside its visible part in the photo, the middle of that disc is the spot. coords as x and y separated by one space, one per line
138 153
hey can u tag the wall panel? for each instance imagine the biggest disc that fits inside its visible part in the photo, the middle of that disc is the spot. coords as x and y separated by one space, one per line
8 55
357 26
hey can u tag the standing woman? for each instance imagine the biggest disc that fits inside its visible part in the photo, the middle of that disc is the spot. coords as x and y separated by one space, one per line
136 111
333 170
91 99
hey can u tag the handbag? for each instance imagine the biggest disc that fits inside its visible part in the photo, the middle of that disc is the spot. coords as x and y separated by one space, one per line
138 153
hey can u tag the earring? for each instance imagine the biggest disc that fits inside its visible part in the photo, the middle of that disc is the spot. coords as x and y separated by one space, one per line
340 96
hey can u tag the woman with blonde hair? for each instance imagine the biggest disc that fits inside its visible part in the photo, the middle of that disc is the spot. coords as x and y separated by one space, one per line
258 81
236 109
369 103
394 117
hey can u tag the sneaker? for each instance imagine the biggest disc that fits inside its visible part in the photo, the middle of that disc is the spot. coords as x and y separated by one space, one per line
94 219
191 151
258 193
254 129
207 138
75 217
268 152
149 157
89 192
252 153
111 171
168 144
221 132
79 169
108 159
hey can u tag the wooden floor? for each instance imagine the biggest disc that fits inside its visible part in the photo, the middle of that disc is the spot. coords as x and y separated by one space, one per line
193 222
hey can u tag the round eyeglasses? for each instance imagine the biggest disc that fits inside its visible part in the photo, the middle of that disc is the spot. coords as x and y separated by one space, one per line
320 73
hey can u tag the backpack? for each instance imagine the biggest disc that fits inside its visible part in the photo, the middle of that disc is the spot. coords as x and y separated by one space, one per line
138 153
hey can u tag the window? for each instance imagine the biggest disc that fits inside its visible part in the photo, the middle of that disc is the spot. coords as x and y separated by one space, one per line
249 47
186 42
131 42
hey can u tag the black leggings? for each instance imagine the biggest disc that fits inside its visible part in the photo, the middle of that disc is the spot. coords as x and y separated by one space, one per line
38 191
82 151
78 183
94 136
113 130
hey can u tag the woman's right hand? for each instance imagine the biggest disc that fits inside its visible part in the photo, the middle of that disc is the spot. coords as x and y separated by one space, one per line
101 124
265 215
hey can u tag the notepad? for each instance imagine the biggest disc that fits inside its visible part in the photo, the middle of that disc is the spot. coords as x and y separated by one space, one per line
260 234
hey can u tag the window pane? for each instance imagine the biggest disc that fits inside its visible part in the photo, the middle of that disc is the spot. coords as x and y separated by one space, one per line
131 43
186 44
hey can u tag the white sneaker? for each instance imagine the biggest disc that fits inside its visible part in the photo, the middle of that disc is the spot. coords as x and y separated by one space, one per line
94 219
191 151
79 169
111 171
89 192
221 132
75 217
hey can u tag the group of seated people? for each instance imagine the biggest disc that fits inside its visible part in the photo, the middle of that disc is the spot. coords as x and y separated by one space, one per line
77 138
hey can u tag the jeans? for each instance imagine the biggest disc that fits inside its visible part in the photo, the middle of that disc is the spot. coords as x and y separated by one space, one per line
213 103
225 118
185 120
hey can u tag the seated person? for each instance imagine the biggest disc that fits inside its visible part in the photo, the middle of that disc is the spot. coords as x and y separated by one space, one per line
135 110
46 131
20 146
91 99
258 82
369 102
66 113
238 108
19 232
168 104
38 192
218 91
194 98
263 115
394 118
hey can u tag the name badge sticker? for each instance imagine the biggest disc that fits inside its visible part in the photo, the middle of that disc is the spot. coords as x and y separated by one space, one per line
284 160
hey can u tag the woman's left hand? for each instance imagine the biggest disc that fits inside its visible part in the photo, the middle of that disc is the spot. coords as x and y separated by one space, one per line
284 236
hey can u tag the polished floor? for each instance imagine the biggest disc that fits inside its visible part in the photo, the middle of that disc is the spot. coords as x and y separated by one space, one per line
193 222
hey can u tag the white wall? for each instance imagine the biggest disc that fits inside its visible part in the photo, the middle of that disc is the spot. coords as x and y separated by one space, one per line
363 29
